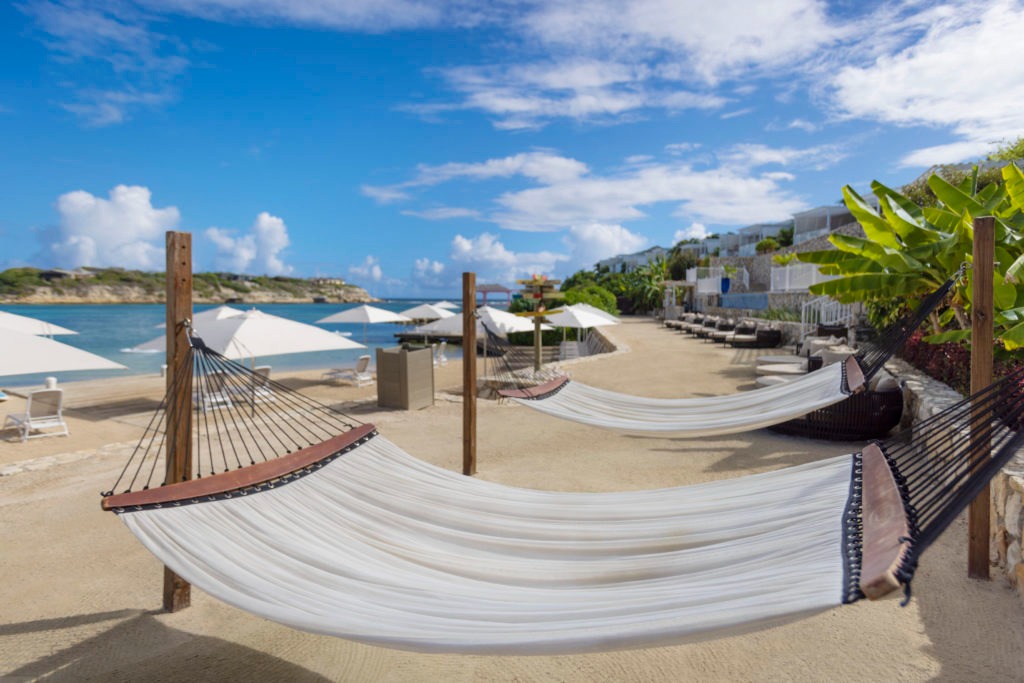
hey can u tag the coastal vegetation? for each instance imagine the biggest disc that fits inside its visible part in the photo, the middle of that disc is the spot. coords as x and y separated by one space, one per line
119 285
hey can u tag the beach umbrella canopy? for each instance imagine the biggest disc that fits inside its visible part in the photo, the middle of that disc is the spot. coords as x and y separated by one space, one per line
427 312
572 316
23 354
498 321
212 314
596 311
446 304
255 333
27 325
365 314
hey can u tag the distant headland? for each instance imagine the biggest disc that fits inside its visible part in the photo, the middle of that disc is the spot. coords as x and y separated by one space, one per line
121 286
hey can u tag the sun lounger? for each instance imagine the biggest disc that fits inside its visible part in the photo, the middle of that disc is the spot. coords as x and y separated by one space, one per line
43 410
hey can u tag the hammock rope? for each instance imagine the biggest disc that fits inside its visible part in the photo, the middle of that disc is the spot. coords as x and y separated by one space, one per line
717 415
353 537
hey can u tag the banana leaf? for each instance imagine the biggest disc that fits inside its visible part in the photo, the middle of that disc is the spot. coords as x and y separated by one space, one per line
875 227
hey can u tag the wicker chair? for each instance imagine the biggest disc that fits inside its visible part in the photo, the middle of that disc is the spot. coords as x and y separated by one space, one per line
862 416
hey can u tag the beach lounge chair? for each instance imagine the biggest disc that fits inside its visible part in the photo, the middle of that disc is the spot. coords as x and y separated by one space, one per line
358 375
257 389
43 410
213 392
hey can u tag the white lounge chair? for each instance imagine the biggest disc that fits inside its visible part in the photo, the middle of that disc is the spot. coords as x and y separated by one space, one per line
257 389
213 392
358 375
43 410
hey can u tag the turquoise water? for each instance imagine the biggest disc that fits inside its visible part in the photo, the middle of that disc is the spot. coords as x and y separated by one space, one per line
108 329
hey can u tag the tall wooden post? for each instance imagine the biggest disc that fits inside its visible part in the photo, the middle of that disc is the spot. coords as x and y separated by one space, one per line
469 374
537 344
982 313
177 591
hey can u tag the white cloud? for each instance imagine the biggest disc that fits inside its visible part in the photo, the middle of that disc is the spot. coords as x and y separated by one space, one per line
959 76
489 258
592 242
682 147
566 193
737 113
258 252
696 231
369 269
125 230
383 195
443 213
801 124
430 274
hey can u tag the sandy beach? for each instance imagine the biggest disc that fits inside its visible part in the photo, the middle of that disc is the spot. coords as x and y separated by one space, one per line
81 597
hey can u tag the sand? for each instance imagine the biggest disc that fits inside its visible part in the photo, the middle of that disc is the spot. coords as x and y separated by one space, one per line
80 597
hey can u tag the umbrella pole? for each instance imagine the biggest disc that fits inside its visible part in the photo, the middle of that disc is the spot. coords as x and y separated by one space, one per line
177 591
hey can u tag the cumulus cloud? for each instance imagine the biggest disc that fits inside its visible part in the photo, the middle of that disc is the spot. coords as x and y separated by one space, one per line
369 269
696 231
592 242
430 274
125 230
486 255
258 252
944 80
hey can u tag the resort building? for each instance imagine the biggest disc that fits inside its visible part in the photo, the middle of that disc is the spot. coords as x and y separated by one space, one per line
629 262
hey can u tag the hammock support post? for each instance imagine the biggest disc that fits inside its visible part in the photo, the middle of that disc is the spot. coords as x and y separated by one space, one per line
469 374
177 591
982 311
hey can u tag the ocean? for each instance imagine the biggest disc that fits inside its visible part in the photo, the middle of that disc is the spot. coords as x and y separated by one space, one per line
109 329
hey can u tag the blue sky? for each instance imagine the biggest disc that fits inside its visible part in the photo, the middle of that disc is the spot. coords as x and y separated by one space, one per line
398 143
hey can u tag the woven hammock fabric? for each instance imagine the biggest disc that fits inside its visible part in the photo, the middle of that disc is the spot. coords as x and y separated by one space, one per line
701 416
380 547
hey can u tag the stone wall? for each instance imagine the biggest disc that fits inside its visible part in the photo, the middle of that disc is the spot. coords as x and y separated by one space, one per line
925 397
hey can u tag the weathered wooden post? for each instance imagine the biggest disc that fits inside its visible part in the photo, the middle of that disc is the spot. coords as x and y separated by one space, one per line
982 313
469 374
177 591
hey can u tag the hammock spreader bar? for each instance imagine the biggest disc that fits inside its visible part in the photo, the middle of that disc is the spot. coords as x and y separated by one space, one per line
355 538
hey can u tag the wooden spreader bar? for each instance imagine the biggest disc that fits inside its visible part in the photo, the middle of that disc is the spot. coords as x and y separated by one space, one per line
538 391
244 477
885 529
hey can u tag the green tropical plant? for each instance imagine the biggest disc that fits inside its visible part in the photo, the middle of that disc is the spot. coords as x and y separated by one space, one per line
783 259
910 250
767 245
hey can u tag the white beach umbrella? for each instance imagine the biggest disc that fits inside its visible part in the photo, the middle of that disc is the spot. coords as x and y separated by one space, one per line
255 333
581 318
212 314
596 311
23 354
446 304
498 321
427 312
27 325
366 315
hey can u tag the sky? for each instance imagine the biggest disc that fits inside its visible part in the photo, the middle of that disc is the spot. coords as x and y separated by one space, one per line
400 143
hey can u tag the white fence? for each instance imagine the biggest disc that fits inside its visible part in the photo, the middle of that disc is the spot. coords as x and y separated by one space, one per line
709 280
796 277
824 310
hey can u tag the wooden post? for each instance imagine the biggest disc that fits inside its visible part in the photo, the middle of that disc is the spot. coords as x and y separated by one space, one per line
537 344
982 313
469 374
177 591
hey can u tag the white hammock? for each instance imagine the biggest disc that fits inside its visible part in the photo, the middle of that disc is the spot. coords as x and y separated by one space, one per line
699 416
379 547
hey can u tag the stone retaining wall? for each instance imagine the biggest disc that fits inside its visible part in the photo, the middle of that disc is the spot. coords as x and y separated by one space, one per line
925 397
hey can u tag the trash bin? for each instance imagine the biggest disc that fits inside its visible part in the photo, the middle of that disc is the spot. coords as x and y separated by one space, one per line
405 377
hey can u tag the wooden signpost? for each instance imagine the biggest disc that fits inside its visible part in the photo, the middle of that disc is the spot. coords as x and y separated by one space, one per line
469 374
537 289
